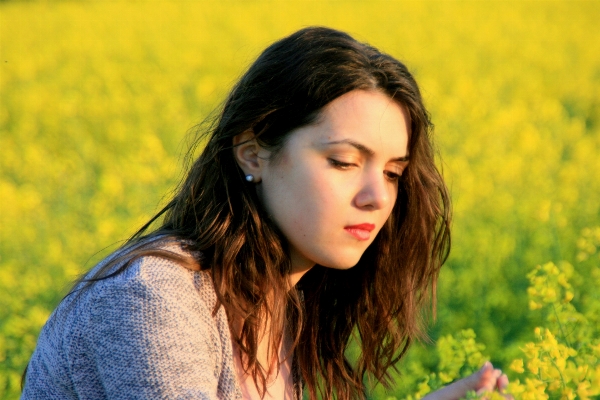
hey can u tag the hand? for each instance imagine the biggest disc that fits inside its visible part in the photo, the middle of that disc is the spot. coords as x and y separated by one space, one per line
486 380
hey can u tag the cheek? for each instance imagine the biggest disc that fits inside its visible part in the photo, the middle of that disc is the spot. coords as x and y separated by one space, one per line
301 200
393 200
324 192
390 209
309 197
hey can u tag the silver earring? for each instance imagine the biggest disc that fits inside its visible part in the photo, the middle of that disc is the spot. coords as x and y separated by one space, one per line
249 177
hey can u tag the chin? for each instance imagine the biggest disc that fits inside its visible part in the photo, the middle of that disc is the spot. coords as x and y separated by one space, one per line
341 264
341 267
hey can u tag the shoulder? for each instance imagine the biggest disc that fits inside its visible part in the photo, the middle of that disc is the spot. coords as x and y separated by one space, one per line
164 273
137 327
155 291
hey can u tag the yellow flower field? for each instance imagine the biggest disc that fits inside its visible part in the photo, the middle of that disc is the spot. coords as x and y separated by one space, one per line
96 98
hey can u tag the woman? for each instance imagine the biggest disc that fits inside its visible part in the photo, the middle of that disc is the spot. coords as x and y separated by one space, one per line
315 213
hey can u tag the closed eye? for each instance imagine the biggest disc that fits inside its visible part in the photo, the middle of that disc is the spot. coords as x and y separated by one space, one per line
340 164
392 176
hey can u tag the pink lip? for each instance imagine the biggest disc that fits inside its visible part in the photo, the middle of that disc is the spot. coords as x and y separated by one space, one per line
361 231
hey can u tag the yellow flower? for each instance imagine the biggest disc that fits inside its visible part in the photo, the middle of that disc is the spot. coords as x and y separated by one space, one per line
517 366
535 390
533 305
583 390
534 365
568 296
568 394
554 385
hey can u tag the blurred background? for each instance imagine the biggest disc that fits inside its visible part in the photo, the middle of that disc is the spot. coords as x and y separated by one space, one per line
96 99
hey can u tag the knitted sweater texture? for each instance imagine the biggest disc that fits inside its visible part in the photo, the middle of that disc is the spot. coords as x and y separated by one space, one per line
147 333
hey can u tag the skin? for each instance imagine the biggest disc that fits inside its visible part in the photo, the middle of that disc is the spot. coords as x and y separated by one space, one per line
483 382
339 172
342 171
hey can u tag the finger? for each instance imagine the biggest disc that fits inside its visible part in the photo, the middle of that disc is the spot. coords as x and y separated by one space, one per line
487 366
485 379
502 382
485 371
497 374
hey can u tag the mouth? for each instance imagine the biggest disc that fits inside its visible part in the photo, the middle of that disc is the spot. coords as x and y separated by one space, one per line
361 231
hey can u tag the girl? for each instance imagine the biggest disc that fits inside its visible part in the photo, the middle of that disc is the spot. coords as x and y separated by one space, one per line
314 215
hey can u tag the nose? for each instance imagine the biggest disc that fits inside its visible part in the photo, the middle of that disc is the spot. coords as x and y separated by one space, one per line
376 192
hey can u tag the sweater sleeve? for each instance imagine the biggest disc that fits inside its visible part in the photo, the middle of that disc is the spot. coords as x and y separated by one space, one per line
149 337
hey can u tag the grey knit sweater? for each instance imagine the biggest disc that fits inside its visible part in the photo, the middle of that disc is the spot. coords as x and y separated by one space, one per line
147 333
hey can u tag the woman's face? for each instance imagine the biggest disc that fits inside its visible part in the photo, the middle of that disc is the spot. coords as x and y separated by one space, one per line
335 182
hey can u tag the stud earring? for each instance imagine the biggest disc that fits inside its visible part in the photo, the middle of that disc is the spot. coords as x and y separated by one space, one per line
249 177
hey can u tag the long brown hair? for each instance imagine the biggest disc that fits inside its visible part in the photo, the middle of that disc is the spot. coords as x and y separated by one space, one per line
217 213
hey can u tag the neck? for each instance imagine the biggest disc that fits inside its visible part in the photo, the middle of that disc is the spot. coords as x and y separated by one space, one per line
297 274
300 266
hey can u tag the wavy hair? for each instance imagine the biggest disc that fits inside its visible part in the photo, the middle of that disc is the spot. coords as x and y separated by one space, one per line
381 300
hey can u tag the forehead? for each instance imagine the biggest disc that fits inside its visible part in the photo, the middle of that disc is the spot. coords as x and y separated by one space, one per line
369 117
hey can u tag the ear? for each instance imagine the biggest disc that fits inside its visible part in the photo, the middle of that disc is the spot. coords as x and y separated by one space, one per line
249 155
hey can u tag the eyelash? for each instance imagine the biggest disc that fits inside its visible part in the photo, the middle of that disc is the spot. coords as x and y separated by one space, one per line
340 165
391 176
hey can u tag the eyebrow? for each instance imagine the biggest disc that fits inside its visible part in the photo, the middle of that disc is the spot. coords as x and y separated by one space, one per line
363 149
